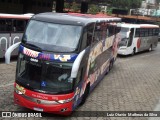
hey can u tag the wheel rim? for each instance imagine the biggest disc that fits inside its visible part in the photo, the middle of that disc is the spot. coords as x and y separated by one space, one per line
133 52
110 66
150 49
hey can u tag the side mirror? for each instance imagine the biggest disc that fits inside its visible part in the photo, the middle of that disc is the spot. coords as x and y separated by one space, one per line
9 51
128 34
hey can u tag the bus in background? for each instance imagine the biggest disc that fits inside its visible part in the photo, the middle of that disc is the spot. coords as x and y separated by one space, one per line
11 30
62 57
137 38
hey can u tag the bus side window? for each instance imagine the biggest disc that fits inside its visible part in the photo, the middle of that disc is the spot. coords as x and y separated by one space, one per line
137 34
117 30
21 24
111 30
146 32
14 26
90 29
96 36
150 31
2 25
103 31
89 38
156 31
84 41
97 32
142 32
18 25
8 25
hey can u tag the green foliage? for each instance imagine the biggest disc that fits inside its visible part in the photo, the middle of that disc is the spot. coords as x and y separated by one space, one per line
126 4
75 7
109 11
94 9
66 5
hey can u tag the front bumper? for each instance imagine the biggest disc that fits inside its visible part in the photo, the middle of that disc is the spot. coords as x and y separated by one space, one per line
64 109
122 52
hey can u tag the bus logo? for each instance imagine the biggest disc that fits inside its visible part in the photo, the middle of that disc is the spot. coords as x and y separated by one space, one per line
38 102
33 60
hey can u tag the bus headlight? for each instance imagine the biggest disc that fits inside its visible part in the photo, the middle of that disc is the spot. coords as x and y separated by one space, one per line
18 92
65 101
19 89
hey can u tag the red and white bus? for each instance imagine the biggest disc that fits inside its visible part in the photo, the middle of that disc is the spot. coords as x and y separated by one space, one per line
62 57
11 30
137 38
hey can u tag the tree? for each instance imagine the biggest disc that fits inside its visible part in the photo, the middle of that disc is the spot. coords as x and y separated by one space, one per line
94 9
66 5
75 7
127 4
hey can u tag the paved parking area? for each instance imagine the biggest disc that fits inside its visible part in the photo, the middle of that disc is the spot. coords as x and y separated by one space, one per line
132 85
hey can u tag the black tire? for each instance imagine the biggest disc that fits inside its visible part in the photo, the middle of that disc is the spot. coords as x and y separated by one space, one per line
134 51
150 48
110 65
86 93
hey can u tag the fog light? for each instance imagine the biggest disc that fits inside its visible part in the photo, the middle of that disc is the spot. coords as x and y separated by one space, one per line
63 110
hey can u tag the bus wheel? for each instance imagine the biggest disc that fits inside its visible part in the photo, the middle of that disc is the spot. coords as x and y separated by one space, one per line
150 48
134 51
85 95
110 65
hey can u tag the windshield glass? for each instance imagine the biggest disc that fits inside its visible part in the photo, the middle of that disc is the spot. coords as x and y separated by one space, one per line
46 77
124 29
123 42
53 37
124 32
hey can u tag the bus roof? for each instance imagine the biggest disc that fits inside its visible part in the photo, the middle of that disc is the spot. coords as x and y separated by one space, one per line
73 18
16 16
127 25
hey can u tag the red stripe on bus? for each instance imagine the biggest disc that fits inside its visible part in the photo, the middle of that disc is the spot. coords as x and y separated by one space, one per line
16 17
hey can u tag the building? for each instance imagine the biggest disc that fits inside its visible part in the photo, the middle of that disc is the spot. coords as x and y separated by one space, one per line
149 4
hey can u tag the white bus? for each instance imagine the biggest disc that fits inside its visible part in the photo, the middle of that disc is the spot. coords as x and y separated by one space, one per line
12 27
137 38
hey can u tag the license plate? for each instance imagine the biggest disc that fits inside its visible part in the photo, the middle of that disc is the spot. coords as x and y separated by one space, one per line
38 109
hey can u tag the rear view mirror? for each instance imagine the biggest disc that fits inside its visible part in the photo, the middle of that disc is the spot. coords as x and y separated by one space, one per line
9 51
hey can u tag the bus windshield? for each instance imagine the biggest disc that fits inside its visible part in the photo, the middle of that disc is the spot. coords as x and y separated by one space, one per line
125 32
123 42
53 37
127 35
124 29
44 76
